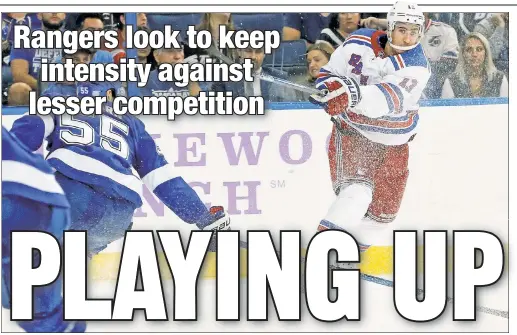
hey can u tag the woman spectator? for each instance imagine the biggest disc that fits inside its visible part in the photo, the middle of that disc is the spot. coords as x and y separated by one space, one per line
340 26
475 75
318 55
210 22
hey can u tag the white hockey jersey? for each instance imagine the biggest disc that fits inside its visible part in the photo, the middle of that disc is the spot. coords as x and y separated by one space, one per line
391 86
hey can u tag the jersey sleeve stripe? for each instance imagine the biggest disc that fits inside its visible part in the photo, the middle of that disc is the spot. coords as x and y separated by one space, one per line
399 95
354 40
48 121
394 97
322 75
158 176
21 173
387 95
92 166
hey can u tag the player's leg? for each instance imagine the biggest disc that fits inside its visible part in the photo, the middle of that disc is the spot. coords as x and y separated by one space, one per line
353 161
105 219
390 185
23 214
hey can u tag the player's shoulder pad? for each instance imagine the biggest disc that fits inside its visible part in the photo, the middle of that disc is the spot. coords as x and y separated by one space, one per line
362 36
367 32
15 150
412 58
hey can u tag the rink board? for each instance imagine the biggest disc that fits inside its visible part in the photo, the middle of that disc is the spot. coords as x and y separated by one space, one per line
271 173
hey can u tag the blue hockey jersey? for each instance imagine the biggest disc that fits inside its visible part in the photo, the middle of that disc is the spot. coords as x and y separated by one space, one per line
28 175
90 89
104 151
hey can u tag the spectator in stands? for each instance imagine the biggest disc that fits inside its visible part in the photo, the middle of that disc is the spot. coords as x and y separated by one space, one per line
155 87
495 29
9 21
440 43
25 63
80 89
120 50
340 26
475 75
269 91
146 55
210 22
463 23
94 22
305 26
318 55
18 95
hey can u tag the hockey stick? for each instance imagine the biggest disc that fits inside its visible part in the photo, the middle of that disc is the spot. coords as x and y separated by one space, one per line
213 51
389 283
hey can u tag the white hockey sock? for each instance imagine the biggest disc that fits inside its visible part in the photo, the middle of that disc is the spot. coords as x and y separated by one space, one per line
350 206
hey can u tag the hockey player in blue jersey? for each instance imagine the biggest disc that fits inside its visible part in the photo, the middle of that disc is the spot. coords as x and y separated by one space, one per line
94 158
80 89
33 200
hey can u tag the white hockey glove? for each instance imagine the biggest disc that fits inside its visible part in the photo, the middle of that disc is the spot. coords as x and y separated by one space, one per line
221 219
337 94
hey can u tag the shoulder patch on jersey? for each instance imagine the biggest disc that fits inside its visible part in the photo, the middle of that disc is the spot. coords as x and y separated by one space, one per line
413 57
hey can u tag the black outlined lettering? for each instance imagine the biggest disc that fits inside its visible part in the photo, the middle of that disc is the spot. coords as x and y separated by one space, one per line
182 74
185 266
269 272
24 278
139 257
76 305
156 39
467 277
68 40
268 40
227 269
206 103
346 281
405 275
128 70
199 38
65 105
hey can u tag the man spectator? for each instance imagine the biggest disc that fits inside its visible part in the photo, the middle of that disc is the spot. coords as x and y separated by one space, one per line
80 89
25 63
440 43
155 87
120 50
305 26
94 22
271 92
341 25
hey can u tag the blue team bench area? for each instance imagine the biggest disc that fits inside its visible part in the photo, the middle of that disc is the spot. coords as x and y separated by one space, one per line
6 110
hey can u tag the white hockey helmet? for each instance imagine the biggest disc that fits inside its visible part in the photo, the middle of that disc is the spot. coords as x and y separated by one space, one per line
405 12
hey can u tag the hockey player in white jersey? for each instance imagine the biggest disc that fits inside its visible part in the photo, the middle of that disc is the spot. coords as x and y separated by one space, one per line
375 80
94 158
33 200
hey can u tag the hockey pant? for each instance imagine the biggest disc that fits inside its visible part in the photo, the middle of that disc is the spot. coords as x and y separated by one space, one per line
104 218
368 178
20 213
